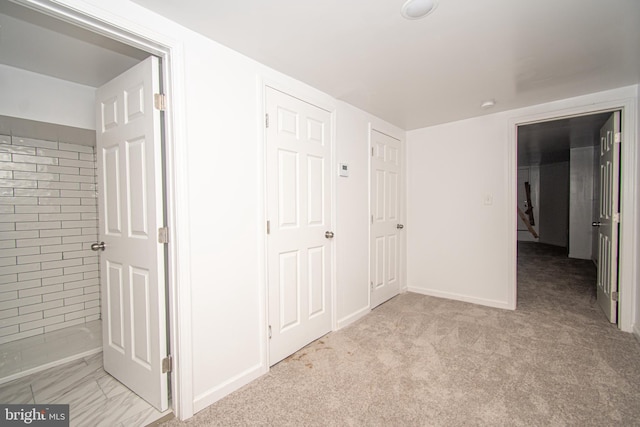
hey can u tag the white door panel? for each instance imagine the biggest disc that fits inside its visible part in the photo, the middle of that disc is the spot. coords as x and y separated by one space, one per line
386 170
607 280
299 214
130 211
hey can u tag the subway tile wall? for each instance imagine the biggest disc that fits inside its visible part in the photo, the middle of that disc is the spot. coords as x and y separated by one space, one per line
48 219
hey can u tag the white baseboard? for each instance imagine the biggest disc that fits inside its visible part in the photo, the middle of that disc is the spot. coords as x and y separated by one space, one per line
353 317
525 236
636 331
211 396
457 297
579 256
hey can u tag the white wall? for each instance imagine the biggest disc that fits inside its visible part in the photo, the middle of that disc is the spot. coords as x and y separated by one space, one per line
461 248
352 228
227 217
581 202
224 217
554 204
48 217
47 99
227 262
456 214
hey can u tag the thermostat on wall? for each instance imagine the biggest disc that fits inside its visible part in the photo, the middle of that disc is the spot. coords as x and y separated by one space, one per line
344 169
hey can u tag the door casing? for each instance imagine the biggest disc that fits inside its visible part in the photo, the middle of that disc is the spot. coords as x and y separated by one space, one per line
176 186
400 219
300 218
324 102
132 267
628 271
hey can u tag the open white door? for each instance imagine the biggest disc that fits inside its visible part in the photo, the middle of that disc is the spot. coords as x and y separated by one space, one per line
299 231
385 217
609 218
130 213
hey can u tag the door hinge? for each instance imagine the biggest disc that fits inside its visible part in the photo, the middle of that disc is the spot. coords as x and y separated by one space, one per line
268 227
269 331
160 101
166 364
616 218
163 235
372 286
266 120
614 296
617 138
371 219
371 151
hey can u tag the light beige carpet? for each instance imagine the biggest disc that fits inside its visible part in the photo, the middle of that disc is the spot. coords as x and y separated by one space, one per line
424 361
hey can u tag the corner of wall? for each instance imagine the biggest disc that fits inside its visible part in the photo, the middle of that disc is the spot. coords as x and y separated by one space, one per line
211 396
353 317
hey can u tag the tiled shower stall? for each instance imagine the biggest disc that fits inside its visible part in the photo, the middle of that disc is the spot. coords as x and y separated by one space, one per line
49 276
50 324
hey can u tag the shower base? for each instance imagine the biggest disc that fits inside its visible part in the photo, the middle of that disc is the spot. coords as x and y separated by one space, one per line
34 354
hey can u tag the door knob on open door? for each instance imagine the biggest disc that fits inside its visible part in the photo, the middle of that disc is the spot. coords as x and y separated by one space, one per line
596 224
328 234
400 226
98 246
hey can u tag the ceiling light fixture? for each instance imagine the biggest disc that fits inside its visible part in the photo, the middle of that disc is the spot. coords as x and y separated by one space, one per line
416 9
488 104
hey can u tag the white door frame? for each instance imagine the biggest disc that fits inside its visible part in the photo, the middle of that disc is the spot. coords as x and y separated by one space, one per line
171 53
628 271
393 133
401 209
321 100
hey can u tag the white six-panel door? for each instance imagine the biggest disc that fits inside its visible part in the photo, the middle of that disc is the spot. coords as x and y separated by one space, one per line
386 181
298 165
609 216
130 212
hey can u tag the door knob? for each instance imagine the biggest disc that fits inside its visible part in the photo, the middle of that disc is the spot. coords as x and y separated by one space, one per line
98 246
400 226
596 224
328 234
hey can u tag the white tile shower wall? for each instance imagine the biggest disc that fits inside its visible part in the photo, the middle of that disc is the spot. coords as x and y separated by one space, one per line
48 219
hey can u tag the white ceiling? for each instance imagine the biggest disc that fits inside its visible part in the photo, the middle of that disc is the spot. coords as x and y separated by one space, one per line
39 43
551 141
437 69
411 73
